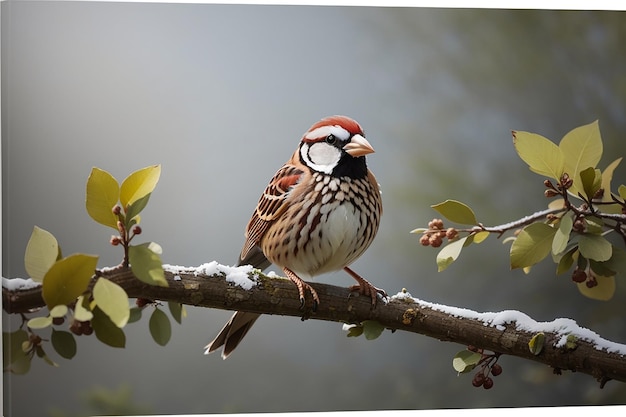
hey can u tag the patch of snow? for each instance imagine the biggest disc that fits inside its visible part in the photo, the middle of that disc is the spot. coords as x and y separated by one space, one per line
562 327
238 275
16 284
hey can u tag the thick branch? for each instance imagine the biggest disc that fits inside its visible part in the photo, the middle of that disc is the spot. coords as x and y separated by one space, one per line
508 332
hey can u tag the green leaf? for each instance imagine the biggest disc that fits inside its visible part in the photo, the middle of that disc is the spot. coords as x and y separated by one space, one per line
13 356
581 148
456 211
102 195
372 329
566 261
595 247
449 253
112 300
160 327
68 278
535 344
106 331
603 291
177 310
561 236
617 262
465 360
622 191
532 245
138 184
146 264
63 343
543 156
133 209
82 312
591 181
135 314
42 251
40 322
355 331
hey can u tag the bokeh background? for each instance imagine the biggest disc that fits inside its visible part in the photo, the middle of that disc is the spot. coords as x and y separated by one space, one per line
220 96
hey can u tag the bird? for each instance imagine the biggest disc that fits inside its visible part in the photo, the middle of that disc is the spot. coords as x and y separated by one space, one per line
318 214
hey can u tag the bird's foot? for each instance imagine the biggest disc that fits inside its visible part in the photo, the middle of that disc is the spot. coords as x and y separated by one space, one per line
303 287
364 287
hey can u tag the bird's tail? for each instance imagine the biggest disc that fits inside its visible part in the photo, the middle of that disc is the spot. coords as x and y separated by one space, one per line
232 333
236 328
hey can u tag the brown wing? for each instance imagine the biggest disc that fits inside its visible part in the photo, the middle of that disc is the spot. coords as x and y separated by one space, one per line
271 205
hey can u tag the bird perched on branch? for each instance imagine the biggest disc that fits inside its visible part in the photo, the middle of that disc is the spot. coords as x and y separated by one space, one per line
318 214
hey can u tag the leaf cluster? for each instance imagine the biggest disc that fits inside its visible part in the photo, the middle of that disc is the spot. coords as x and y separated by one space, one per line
574 229
76 293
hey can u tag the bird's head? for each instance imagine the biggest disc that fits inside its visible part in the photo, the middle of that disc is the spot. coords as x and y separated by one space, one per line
336 145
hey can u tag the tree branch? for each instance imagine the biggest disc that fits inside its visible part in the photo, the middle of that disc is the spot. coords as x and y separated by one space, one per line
507 332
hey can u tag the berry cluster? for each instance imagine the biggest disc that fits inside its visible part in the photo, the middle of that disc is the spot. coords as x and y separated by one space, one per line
81 328
561 187
435 234
587 276
488 365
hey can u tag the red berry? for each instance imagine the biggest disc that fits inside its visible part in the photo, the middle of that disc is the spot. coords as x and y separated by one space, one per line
579 275
478 380
488 384
496 369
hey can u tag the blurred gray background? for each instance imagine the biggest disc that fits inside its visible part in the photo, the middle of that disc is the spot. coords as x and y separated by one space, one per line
220 96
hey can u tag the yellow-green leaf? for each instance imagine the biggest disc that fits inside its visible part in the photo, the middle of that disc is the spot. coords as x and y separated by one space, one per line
532 245
102 195
465 360
449 253
456 211
146 264
160 327
561 236
58 311
535 344
112 300
582 148
607 177
139 184
543 156
42 251
595 247
622 191
480 236
81 310
68 278
603 291
40 322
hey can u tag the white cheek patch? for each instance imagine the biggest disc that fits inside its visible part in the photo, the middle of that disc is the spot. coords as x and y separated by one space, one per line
320 156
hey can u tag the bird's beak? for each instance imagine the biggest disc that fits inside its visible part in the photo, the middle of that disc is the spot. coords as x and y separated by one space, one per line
358 146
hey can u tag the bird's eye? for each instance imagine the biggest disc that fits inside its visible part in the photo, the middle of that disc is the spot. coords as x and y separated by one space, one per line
331 139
